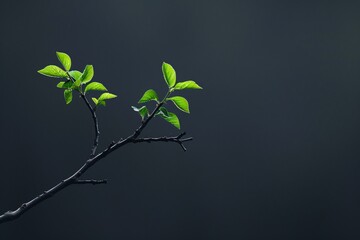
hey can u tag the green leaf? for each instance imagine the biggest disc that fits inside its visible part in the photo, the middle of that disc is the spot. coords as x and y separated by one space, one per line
163 112
168 116
187 85
64 59
77 84
75 74
95 86
95 101
102 98
87 74
106 96
181 103
169 74
68 96
143 111
53 71
66 85
148 96
172 118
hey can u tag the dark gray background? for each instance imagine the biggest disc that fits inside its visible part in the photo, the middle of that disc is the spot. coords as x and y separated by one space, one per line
276 128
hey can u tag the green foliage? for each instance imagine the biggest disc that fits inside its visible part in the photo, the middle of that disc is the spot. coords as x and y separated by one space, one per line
106 96
76 81
102 99
181 103
95 100
64 59
162 112
169 117
87 74
53 71
68 96
187 85
173 119
68 84
99 102
169 74
102 103
77 84
95 86
75 74
143 111
148 96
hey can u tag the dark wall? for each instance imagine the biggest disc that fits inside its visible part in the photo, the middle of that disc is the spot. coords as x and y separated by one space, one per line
276 128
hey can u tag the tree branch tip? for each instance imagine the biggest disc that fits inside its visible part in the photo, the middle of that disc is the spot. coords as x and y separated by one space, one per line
187 139
182 146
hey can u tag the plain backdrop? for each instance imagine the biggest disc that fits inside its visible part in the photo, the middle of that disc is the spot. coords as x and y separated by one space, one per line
276 129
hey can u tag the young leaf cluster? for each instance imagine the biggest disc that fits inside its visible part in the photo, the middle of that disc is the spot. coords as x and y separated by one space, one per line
75 80
180 102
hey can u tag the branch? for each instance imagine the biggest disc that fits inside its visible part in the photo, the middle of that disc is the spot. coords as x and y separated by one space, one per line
94 117
96 125
74 178
178 139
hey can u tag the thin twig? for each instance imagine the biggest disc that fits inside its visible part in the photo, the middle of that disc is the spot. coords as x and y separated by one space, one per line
93 115
96 125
